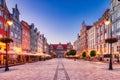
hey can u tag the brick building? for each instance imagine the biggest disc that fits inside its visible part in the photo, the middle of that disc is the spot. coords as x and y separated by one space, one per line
84 38
60 49
4 14
25 36
102 33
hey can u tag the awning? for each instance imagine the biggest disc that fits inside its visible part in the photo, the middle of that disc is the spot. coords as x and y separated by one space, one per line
11 52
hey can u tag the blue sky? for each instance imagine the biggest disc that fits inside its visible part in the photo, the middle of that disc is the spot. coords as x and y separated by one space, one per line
60 20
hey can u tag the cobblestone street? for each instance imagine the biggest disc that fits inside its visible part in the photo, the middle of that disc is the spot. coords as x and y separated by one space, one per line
61 69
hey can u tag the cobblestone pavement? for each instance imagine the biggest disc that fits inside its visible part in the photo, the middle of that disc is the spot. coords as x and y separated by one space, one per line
85 70
61 73
61 69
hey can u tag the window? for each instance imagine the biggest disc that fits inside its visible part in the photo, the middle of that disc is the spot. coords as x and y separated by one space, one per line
5 27
5 16
105 50
16 28
0 25
15 35
105 35
12 34
0 12
1 36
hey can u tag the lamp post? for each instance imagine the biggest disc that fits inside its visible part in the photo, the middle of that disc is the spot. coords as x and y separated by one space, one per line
8 23
44 51
110 41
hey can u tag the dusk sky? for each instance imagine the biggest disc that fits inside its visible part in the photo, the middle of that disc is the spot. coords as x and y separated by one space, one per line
60 20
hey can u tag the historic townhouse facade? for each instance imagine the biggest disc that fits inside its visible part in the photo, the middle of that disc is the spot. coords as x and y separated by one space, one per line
42 43
77 45
25 36
60 49
32 38
84 38
38 42
4 27
115 18
4 14
102 33
45 46
91 38
36 39
16 31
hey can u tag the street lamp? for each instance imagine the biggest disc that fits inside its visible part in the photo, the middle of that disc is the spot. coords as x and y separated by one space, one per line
109 22
44 51
8 23
44 55
110 41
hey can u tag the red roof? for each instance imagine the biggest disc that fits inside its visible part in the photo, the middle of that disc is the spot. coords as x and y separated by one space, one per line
56 45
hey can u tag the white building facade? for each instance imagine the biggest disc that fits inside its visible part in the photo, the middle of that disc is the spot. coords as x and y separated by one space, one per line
115 17
77 44
91 39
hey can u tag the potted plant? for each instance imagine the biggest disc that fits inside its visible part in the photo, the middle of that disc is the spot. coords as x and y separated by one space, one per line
6 40
93 53
111 40
84 54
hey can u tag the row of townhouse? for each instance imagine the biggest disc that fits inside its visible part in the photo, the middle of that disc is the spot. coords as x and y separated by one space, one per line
27 38
93 37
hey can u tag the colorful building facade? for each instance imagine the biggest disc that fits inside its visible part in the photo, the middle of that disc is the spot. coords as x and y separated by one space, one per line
25 36
84 38
115 20
91 39
36 39
16 31
60 49
102 33
77 45
32 38
4 14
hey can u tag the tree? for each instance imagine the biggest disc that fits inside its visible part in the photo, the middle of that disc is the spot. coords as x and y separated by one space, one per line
84 54
72 52
93 53
67 53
